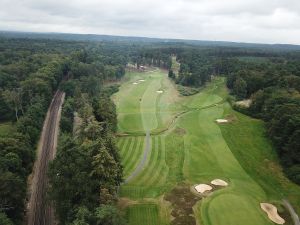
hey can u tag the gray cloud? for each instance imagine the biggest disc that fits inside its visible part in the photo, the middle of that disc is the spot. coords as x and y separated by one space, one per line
268 21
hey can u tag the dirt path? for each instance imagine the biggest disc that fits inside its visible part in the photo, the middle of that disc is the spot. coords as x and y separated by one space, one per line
143 161
294 215
39 211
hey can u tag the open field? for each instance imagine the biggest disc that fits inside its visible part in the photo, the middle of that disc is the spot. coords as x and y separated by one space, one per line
192 149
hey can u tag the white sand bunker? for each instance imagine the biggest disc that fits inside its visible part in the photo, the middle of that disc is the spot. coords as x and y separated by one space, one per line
201 188
271 210
221 121
219 182
160 91
141 80
134 83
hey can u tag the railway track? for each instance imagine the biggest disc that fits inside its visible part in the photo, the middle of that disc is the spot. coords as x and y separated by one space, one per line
39 210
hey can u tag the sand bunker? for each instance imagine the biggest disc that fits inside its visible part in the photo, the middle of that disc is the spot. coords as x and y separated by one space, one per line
135 83
141 80
271 210
201 188
219 182
221 121
160 91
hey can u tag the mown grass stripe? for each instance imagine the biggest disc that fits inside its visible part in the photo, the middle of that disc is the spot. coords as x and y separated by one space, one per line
154 167
138 178
131 159
166 168
128 151
123 149
158 173
148 173
144 174
136 156
143 214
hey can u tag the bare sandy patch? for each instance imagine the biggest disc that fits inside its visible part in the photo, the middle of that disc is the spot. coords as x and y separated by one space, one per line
271 210
141 80
201 188
134 83
160 91
244 103
219 182
221 121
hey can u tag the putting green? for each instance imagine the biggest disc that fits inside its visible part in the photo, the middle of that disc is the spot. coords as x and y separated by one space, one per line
194 149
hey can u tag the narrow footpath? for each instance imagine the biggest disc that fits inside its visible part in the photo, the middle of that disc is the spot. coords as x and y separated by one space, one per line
293 213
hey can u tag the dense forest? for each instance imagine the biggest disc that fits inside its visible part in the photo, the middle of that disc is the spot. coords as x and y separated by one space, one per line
86 172
30 73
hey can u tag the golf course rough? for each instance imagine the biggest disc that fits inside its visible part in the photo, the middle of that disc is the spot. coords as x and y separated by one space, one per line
187 145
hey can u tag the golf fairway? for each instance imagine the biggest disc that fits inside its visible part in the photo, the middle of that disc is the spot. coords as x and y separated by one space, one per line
188 147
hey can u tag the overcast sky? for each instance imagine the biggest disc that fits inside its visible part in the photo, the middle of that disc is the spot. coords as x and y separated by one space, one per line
264 21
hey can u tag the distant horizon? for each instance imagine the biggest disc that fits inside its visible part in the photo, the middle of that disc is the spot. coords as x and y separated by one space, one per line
147 37
242 21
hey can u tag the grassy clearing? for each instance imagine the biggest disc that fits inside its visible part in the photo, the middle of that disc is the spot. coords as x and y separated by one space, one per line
6 128
197 150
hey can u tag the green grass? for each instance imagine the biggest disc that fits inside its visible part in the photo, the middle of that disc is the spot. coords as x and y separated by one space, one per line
151 180
143 214
248 142
140 107
208 157
230 208
131 151
6 128
196 150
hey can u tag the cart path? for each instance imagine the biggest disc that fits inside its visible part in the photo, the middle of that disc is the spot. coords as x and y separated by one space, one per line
294 215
